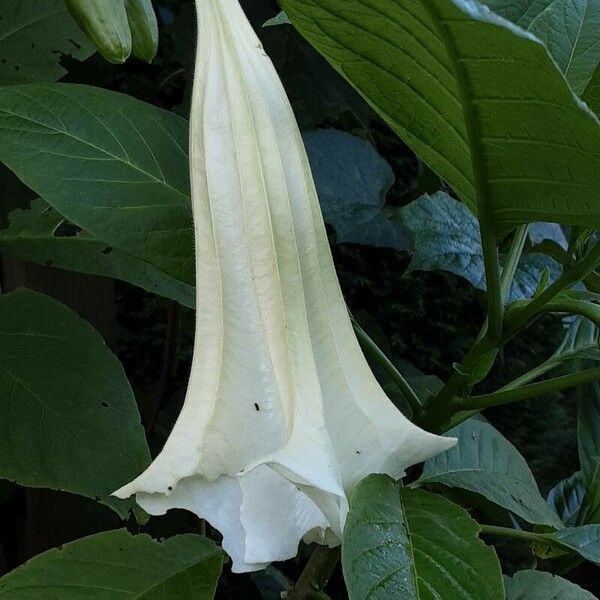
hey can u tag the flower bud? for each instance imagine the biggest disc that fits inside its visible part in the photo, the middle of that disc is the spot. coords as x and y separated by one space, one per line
106 25
144 29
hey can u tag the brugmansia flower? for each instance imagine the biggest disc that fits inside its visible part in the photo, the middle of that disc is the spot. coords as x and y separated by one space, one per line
282 415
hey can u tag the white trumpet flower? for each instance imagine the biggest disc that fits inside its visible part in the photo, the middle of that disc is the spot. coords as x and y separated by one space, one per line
282 416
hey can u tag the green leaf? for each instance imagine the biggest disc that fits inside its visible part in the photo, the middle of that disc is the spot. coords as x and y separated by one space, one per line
592 92
352 181
568 28
41 235
198 582
33 36
486 463
584 540
580 342
447 237
68 417
115 565
577 303
566 499
534 270
477 98
588 428
410 544
591 506
588 438
540 585
114 166
543 232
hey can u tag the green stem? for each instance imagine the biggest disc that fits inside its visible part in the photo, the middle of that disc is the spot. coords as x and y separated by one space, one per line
520 318
562 565
513 534
572 306
441 411
377 354
494 295
316 573
548 365
570 253
482 343
485 214
512 260
532 390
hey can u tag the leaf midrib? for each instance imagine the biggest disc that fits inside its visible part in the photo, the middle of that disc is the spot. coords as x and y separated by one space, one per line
468 111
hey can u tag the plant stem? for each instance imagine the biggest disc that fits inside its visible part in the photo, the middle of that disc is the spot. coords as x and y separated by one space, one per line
529 391
562 564
316 573
520 318
482 343
542 369
513 534
441 410
495 301
377 354
512 260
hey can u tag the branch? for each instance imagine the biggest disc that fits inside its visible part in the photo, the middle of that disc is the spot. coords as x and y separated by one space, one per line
440 412
514 534
316 573
532 390
494 296
520 318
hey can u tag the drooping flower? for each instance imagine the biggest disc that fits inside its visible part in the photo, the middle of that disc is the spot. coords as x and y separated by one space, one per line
282 415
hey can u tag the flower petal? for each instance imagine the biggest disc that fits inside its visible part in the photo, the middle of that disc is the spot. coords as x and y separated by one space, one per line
282 415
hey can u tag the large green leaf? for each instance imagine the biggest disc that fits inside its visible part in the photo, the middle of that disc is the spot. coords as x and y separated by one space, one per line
117 565
113 165
566 499
478 98
68 418
588 437
447 237
410 544
588 428
569 28
591 505
33 35
485 462
551 232
352 181
41 235
540 585
584 540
